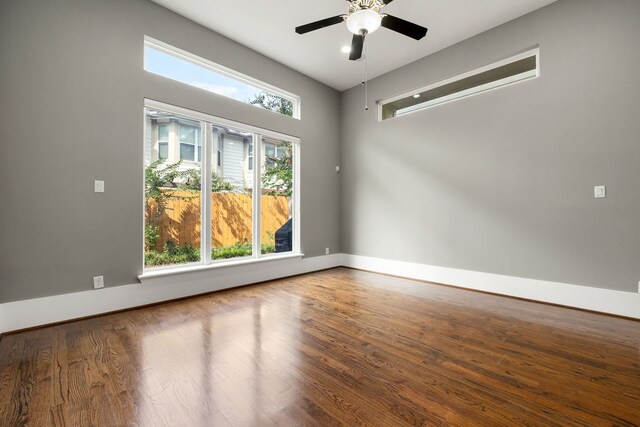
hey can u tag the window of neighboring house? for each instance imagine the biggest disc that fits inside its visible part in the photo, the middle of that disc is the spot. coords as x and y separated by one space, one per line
200 213
163 141
176 64
250 156
516 69
273 151
190 147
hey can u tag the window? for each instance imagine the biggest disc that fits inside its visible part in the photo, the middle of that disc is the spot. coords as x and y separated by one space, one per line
250 156
190 147
216 207
176 64
277 182
273 151
515 69
163 141
173 196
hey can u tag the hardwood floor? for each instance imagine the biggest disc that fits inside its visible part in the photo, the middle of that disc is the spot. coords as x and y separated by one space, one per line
339 347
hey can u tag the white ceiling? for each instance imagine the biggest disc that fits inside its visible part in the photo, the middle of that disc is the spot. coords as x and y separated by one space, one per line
267 26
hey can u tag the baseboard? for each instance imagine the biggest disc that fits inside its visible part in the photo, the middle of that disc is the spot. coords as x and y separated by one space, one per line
618 303
43 311
47 310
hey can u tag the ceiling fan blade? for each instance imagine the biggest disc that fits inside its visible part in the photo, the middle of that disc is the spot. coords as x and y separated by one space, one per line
356 47
406 28
319 24
386 2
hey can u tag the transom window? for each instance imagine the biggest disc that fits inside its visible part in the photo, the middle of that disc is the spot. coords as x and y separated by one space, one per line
516 69
182 66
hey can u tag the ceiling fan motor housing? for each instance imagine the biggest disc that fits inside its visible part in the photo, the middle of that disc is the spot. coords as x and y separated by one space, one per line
374 5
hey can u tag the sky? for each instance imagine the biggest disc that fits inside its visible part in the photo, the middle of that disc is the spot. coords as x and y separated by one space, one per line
186 72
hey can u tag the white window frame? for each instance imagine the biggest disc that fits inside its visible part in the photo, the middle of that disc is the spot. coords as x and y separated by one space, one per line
158 141
208 121
220 69
468 92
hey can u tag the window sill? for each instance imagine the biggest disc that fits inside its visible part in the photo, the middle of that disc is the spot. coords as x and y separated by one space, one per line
216 265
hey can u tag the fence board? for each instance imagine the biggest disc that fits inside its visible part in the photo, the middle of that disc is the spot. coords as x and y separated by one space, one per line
231 216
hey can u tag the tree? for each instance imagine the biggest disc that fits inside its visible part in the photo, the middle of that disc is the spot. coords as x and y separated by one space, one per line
218 184
273 103
159 187
278 177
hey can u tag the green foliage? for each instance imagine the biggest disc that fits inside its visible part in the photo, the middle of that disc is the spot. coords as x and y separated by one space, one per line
218 184
237 250
151 235
191 180
268 248
277 179
273 103
157 179
157 182
172 254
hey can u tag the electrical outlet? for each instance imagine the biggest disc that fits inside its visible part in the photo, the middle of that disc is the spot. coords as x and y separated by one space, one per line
337 169
326 251
98 186
639 287
98 282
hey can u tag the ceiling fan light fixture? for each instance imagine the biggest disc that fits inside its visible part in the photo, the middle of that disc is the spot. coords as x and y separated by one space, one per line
364 20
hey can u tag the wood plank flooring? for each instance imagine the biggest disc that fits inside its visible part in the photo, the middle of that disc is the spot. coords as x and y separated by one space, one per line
339 347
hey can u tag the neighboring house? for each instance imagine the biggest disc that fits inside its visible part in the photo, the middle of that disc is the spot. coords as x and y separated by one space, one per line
176 138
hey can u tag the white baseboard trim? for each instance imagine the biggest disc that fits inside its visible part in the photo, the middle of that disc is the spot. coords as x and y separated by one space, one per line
589 298
42 311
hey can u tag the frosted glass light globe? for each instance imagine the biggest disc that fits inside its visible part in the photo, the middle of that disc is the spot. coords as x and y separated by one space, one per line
363 19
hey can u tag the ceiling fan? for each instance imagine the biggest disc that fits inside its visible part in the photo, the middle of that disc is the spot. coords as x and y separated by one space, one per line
364 18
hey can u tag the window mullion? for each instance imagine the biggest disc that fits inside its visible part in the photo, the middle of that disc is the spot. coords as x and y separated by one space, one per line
296 199
257 193
205 161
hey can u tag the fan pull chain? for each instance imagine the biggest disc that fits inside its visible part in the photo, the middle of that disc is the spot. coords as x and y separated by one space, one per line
365 80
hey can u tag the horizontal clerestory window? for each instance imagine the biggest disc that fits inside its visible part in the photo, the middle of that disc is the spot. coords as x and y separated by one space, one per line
182 66
518 68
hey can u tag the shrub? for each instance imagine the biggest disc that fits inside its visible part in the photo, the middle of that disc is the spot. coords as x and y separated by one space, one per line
173 254
233 251
268 248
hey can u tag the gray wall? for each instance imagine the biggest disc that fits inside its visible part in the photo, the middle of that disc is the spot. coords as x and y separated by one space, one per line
502 182
71 111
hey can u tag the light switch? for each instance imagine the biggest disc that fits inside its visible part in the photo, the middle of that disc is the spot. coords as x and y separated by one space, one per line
98 186
599 191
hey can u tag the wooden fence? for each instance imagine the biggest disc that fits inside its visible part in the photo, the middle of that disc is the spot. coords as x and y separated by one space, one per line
230 218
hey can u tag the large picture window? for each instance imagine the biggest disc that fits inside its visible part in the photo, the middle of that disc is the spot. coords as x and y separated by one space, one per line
216 191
